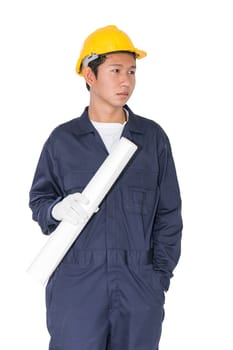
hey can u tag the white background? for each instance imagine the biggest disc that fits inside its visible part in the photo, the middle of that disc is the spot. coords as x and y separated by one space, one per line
185 84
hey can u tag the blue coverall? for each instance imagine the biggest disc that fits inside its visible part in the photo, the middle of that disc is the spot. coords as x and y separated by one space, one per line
108 291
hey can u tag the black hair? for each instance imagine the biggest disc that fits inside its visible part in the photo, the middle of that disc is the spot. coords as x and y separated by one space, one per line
94 66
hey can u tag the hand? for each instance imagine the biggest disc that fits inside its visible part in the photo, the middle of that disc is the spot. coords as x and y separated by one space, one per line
71 209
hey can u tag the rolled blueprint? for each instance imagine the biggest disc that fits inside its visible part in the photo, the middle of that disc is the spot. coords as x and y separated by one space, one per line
66 233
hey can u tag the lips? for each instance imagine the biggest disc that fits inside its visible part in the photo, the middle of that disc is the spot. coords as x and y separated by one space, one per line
125 94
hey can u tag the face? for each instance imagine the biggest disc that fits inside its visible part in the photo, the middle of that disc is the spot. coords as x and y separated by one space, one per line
115 81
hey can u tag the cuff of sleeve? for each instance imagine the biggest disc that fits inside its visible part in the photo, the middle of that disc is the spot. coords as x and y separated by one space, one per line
165 282
164 279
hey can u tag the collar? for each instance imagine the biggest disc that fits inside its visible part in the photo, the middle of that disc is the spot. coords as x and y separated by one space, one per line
85 126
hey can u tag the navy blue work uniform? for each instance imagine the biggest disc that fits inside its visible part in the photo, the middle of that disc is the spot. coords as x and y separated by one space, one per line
108 291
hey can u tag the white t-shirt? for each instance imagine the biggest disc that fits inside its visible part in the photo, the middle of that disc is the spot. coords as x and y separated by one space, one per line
109 132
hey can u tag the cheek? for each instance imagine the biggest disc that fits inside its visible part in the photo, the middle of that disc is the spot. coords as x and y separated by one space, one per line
133 80
107 85
101 84
132 84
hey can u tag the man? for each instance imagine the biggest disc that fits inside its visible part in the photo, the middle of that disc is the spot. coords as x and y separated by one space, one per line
108 291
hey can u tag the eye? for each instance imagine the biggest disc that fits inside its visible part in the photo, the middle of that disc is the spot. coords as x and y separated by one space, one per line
115 70
131 72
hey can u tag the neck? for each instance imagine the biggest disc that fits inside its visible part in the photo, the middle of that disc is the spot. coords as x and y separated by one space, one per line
107 115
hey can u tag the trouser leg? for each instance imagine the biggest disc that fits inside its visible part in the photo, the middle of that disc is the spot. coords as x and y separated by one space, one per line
77 316
136 321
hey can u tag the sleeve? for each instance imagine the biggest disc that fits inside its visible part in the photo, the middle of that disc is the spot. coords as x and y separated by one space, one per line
45 191
167 230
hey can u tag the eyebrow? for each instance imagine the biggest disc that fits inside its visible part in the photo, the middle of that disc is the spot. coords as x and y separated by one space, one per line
120 65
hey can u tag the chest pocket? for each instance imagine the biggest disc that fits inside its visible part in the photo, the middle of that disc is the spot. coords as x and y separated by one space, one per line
140 201
141 192
77 180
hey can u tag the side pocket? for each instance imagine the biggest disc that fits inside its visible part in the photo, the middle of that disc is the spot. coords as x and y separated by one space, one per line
149 282
155 282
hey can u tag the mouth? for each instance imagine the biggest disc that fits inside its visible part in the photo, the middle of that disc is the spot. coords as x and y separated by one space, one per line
123 94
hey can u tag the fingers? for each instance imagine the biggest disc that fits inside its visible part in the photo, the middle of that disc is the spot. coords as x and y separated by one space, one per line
73 209
76 214
74 218
80 197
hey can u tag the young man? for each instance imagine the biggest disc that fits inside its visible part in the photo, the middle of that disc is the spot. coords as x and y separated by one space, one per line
108 291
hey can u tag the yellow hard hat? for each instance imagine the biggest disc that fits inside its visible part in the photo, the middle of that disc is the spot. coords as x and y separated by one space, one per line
105 40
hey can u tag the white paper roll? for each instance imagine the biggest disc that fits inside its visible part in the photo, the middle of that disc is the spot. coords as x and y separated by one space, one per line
65 234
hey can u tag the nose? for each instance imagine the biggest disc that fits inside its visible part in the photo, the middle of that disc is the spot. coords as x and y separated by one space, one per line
126 79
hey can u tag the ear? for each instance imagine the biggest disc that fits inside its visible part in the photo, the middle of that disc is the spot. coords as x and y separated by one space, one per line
89 76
